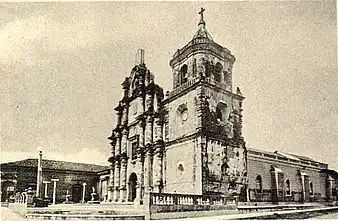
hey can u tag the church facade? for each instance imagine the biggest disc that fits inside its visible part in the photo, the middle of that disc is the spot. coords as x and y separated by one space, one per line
188 140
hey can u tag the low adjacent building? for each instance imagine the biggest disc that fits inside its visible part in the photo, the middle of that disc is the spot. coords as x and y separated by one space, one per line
277 176
19 176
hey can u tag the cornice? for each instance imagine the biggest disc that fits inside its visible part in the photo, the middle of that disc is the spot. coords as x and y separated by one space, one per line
181 139
285 163
193 84
201 44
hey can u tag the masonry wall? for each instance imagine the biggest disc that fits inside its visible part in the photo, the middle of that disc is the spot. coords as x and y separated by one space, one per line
26 178
177 127
67 181
176 179
262 167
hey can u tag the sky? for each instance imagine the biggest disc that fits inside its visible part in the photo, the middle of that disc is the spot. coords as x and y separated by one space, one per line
62 65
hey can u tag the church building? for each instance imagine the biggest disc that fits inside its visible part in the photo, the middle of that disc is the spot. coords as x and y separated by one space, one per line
188 140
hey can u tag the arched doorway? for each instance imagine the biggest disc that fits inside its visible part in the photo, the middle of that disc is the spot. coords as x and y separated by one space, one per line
132 187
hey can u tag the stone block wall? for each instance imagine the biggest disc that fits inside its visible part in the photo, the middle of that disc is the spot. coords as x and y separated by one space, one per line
27 178
262 167
179 127
180 168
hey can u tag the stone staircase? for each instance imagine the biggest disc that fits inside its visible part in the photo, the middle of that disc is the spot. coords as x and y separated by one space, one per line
109 211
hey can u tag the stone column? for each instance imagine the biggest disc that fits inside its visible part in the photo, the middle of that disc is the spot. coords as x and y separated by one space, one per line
140 105
118 145
123 172
124 142
125 115
158 156
54 190
140 166
84 192
158 129
111 183
117 166
139 162
329 193
201 105
277 184
202 143
148 153
116 180
39 176
46 188
302 177
148 139
157 167
119 115
123 179
147 169
141 133
138 193
149 102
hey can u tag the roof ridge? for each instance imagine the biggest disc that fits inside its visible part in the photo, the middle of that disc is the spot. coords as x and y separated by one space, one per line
74 162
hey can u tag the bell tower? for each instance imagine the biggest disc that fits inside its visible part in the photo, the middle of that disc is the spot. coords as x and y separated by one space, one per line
204 148
202 57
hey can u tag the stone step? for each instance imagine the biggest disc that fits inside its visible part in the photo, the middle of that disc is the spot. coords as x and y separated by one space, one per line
78 210
83 217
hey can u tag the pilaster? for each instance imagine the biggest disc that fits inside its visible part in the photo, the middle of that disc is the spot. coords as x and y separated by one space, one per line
111 182
138 193
201 103
118 144
149 131
148 168
116 179
123 179
158 128
158 166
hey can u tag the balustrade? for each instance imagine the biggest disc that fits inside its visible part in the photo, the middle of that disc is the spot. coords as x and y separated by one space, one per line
186 199
191 82
21 198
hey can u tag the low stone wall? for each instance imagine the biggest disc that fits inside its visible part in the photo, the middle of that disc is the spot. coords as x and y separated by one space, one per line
19 208
190 214
286 214
166 205
186 208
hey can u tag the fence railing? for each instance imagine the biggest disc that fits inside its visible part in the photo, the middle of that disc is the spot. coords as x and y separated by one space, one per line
21 198
173 202
186 199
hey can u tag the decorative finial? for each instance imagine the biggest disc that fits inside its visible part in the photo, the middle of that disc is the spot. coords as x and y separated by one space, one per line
139 57
201 13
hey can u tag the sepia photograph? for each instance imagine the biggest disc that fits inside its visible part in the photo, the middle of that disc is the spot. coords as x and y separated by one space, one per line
163 110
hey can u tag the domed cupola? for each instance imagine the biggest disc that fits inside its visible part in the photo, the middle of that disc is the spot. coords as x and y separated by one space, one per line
202 31
202 59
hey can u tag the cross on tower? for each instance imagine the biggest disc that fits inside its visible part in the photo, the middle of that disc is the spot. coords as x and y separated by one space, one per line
201 13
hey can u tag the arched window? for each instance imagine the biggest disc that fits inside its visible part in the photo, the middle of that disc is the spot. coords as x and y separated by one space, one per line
134 146
184 75
259 186
224 169
180 170
218 72
221 111
194 67
287 187
311 188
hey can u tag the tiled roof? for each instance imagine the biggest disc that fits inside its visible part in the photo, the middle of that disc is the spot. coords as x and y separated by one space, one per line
287 155
59 165
304 158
